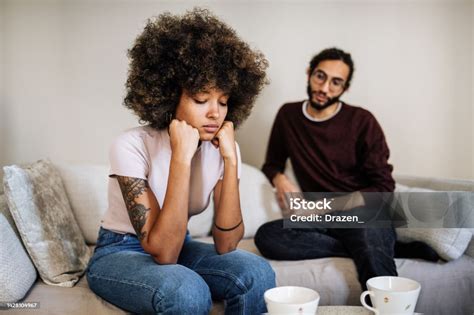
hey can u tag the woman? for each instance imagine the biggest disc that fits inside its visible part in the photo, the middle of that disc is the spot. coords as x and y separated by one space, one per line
191 81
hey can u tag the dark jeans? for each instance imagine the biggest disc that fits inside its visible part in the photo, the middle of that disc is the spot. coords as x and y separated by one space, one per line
372 249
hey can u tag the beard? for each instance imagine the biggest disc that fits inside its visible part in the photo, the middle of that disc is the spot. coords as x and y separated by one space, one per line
319 106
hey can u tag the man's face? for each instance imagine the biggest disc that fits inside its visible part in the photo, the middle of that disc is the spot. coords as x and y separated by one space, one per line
327 83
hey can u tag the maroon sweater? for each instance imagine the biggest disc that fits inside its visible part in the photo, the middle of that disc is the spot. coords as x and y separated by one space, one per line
343 154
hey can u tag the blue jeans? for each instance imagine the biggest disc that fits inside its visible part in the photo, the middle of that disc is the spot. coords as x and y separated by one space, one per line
122 273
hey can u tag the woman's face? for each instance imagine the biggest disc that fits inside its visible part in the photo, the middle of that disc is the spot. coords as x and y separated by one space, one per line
205 111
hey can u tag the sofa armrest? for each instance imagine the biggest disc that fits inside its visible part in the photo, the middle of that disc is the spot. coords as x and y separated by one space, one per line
441 184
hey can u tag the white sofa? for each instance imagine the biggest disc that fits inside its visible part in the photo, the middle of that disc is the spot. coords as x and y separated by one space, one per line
447 287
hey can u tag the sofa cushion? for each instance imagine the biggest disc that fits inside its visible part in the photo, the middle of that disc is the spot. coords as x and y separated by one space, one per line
13 257
39 205
470 249
7 214
449 243
200 225
257 201
438 184
17 273
78 300
86 188
442 184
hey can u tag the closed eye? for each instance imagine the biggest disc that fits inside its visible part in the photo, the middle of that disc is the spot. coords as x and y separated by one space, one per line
199 101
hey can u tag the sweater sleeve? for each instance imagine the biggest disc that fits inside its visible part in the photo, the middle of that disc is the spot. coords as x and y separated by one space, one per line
375 154
277 154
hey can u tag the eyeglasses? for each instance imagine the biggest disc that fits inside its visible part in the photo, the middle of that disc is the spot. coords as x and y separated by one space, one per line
336 85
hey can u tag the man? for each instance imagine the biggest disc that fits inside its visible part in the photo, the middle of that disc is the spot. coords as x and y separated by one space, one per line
333 147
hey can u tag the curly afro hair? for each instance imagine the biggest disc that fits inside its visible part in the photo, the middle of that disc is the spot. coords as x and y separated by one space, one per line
192 52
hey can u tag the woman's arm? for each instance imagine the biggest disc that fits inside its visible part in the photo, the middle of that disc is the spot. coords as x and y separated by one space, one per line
161 231
226 196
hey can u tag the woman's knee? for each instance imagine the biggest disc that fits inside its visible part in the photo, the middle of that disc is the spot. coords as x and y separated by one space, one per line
253 273
188 295
263 271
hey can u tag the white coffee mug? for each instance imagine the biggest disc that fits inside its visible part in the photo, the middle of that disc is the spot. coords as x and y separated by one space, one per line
291 300
391 295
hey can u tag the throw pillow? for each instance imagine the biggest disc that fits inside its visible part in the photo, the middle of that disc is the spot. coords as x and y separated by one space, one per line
449 243
470 248
17 273
43 216
257 200
86 188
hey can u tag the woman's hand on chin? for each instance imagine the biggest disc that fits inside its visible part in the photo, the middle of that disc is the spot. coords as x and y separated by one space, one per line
225 141
184 140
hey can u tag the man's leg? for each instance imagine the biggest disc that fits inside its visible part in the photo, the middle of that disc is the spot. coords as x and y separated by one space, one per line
415 249
275 242
372 250
239 278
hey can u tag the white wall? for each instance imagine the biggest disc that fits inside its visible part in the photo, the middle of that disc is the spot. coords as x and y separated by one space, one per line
472 82
2 73
65 69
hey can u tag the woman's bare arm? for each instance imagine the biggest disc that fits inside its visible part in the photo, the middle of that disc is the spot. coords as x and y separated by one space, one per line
227 211
228 227
161 231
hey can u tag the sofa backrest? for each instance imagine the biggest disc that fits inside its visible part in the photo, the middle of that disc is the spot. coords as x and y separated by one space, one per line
433 183
436 183
86 187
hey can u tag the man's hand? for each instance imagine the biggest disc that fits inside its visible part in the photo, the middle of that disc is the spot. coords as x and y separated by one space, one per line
224 140
184 140
283 185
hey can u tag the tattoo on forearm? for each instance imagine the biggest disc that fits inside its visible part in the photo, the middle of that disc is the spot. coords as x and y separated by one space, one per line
131 189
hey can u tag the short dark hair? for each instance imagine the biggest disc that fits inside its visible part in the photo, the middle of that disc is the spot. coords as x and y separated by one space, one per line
191 52
333 54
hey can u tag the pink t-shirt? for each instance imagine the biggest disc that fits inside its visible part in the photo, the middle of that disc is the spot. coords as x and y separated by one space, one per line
144 152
